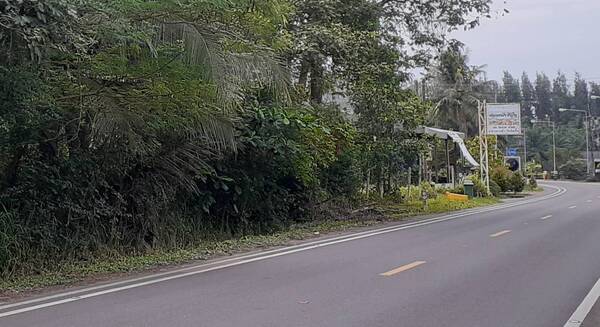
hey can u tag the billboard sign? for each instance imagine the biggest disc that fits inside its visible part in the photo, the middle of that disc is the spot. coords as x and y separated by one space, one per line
504 119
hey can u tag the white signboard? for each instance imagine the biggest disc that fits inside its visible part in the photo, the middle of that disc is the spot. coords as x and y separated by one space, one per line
504 119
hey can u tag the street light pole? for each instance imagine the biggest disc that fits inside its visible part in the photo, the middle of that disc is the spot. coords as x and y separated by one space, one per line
555 172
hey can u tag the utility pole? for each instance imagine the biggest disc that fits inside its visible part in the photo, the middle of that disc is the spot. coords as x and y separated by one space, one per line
484 167
525 149
587 144
592 128
555 172
448 170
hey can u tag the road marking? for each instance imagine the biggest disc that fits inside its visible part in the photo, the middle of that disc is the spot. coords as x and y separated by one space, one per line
403 268
572 207
585 307
546 217
501 233
588 201
99 290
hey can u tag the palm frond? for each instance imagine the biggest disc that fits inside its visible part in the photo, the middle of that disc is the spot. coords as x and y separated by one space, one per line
231 71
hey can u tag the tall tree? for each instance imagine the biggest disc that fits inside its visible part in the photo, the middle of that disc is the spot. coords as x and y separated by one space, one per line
595 111
512 89
529 96
489 90
543 94
595 104
581 94
561 98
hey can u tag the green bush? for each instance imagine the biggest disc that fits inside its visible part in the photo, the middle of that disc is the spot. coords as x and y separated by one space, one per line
533 182
495 189
501 176
516 183
574 169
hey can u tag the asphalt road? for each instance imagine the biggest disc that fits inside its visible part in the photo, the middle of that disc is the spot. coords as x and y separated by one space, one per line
529 264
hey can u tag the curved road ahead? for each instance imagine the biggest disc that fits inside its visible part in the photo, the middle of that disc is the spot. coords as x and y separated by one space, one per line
528 263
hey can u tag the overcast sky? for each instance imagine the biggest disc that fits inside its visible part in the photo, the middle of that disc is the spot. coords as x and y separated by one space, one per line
539 35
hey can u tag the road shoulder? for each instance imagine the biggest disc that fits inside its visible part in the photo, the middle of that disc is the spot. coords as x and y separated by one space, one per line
248 248
593 318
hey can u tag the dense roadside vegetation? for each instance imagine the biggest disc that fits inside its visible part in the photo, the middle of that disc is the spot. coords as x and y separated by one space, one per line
129 126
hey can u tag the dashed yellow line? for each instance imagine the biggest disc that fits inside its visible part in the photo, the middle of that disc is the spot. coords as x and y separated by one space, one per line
501 233
403 268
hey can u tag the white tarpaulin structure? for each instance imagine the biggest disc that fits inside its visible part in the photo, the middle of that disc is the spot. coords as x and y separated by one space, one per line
456 137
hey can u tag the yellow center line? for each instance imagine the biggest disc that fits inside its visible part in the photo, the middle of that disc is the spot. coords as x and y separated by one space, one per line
501 233
546 217
403 268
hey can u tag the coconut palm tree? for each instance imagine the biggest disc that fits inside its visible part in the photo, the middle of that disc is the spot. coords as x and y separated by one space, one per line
457 90
163 96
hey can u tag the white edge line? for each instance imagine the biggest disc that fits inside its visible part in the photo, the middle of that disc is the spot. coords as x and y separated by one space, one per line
248 258
242 257
217 262
501 233
585 307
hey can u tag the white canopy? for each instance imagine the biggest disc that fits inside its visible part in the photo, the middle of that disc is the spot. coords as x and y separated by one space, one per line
456 137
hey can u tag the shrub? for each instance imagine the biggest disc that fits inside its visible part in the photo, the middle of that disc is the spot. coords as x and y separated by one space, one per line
495 188
516 182
501 176
573 169
532 182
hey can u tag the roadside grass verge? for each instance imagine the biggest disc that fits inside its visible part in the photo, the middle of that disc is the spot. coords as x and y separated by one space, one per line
528 188
109 266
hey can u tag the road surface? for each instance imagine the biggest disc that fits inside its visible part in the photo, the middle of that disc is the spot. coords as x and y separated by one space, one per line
528 263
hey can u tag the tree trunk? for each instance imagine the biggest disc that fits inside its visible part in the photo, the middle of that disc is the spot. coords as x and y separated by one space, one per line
368 182
304 69
316 81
